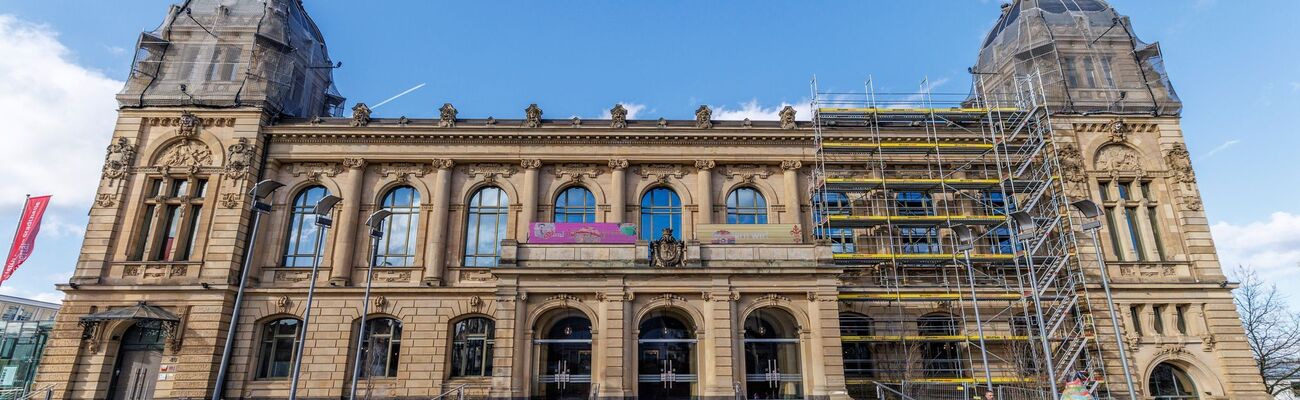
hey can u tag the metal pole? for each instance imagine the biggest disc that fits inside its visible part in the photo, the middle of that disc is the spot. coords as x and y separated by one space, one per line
365 309
239 299
306 315
1114 321
984 354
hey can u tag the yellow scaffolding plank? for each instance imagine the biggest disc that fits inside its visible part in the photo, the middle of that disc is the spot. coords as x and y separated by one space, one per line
908 145
934 256
998 380
902 110
928 296
915 219
927 338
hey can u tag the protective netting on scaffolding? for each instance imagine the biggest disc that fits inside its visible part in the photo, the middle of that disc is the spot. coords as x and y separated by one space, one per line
232 53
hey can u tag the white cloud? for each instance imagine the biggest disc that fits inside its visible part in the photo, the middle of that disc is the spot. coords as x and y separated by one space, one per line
50 296
58 117
757 112
1219 148
1270 247
633 109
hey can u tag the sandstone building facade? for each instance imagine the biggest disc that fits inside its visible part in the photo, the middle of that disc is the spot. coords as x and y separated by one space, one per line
616 258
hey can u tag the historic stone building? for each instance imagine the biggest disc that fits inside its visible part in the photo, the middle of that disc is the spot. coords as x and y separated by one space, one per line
616 258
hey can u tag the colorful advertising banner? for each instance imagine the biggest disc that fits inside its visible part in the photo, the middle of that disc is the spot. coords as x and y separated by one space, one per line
749 233
579 232
25 239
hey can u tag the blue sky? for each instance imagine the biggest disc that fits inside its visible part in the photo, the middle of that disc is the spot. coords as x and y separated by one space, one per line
1235 67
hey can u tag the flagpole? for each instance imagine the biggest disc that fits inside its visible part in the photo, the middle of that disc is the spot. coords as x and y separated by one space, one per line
17 228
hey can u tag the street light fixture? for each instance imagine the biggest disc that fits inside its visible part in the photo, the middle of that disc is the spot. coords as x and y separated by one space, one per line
966 242
376 225
323 223
261 204
1091 211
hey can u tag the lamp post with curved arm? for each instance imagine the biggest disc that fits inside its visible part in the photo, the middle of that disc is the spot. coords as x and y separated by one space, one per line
376 225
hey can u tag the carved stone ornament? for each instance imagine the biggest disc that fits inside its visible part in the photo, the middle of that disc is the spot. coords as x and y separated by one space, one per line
354 162
187 153
119 157
530 163
1071 163
1119 130
661 172
533 116
380 302
667 251
404 171
790 165
663 123
1180 164
1208 342
283 303
188 125
703 117
746 172
403 121
747 123
1119 158
239 159
490 170
705 164
360 115
447 116
577 171
787 118
618 117
618 164
443 163
106 200
576 122
475 303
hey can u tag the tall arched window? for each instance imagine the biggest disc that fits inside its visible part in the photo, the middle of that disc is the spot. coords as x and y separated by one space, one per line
300 244
397 247
381 348
855 332
275 355
746 206
575 204
1170 383
486 226
836 203
660 208
939 357
471 347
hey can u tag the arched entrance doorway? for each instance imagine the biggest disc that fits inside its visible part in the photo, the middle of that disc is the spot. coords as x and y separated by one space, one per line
138 359
1171 383
564 357
666 357
772 355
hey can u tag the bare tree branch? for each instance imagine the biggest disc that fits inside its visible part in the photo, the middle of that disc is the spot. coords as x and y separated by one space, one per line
1272 330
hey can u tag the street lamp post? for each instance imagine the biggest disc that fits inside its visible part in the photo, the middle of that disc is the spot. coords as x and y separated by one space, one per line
1026 226
376 224
967 242
1092 212
261 205
323 223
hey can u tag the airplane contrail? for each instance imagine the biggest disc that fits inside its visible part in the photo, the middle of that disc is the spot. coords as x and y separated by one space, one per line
398 95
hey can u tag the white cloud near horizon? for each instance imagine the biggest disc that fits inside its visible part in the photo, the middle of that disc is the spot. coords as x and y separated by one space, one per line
1270 247
757 112
633 110
58 118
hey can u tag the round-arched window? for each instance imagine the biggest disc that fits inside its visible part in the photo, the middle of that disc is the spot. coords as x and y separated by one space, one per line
1171 383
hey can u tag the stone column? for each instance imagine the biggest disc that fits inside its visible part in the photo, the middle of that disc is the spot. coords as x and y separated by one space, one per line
704 184
1148 235
345 237
528 198
436 253
617 201
793 200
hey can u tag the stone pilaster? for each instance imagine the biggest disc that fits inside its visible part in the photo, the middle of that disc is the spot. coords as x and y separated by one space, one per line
346 238
437 259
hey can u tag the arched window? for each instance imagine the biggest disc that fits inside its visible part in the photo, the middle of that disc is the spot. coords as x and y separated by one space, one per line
1171 383
913 203
939 357
855 332
771 348
660 209
746 206
836 203
575 204
275 356
300 244
471 347
665 356
486 226
381 347
397 247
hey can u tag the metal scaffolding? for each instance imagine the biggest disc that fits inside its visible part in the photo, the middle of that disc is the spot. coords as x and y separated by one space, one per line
961 274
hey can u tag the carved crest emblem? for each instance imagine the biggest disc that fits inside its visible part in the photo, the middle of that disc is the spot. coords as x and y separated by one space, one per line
667 251
703 117
533 116
447 116
787 118
618 117
360 115
188 125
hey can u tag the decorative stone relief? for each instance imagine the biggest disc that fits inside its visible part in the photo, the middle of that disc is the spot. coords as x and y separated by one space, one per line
477 275
291 276
403 121
1119 159
1208 342
787 118
1071 163
447 116
618 117
746 172
747 123
239 159
789 165
533 116
772 299
705 164
661 171
491 121
475 303
360 115
618 164
564 298
119 157
667 251
354 162
1118 130
577 171
492 170
443 163
575 122
315 170
283 303
106 200
380 302
187 153
669 298
703 117
230 200
530 163
663 123
188 125
1179 162
403 172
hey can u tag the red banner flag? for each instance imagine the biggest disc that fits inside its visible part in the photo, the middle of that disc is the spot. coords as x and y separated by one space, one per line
25 239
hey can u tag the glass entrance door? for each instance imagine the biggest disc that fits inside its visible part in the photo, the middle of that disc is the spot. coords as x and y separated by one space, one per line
565 360
666 359
772 356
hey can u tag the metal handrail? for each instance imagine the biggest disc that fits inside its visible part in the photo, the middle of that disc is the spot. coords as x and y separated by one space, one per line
48 390
459 390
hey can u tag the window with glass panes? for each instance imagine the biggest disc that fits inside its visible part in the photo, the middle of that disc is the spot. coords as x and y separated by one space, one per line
381 348
275 353
485 226
575 204
170 224
746 206
397 246
1129 207
842 239
913 203
471 347
300 240
660 209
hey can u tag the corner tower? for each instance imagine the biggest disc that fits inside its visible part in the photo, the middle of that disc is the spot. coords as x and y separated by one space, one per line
235 53
1089 56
